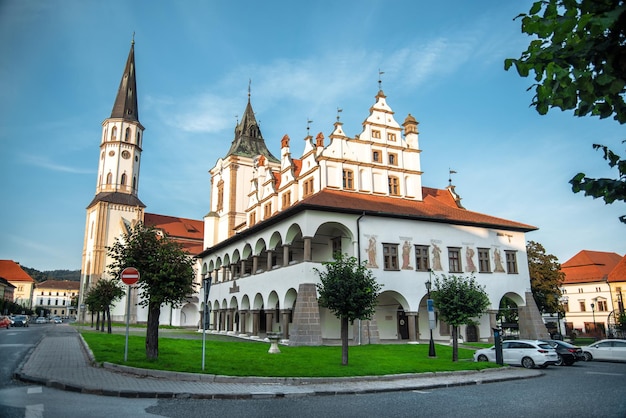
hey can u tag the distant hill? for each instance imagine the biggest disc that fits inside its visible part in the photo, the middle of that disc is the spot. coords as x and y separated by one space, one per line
42 276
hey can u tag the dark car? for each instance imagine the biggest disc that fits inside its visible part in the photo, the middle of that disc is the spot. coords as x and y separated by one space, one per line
20 321
568 353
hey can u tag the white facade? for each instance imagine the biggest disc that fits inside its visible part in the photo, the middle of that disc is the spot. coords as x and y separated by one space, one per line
362 196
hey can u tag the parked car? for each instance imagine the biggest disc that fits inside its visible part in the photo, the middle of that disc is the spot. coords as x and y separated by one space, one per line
57 320
611 350
41 320
20 321
527 353
5 322
568 353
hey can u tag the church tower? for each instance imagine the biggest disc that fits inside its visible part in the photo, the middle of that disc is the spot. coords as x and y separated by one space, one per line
116 206
231 179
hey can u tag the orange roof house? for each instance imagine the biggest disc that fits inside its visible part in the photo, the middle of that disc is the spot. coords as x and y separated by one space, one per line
187 232
24 284
589 266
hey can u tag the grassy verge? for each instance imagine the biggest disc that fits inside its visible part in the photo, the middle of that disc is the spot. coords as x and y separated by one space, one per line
235 358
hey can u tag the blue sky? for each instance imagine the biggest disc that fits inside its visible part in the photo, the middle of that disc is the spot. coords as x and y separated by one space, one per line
442 61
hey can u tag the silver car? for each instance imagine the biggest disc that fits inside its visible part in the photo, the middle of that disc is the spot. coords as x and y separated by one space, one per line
527 353
610 350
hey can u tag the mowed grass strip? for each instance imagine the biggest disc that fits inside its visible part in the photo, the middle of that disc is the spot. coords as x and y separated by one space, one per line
244 358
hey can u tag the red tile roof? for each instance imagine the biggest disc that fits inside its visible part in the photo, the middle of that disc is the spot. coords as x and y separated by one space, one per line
618 274
437 206
11 271
589 266
188 232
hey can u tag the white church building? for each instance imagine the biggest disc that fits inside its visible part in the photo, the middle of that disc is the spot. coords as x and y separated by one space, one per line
273 221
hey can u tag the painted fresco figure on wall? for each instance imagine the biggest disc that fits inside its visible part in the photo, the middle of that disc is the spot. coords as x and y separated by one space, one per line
437 258
406 256
497 261
469 260
371 253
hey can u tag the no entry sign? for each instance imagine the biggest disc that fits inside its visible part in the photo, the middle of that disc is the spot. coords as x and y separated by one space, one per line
130 275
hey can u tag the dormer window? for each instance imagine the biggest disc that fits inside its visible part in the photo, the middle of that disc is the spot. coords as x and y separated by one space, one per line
391 137
394 186
348 180
375 134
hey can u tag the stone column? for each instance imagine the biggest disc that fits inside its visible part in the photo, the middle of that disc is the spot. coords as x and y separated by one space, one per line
216 325
285 255
285 322
493 323
412 318
307 248
231 319
269 321
222 319
255 264
242 322
243 268
269 260
256 320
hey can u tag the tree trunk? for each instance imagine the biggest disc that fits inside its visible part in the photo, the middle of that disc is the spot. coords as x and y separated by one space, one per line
152 333
97 320
103 320
91 319
344 340
455 343
109 330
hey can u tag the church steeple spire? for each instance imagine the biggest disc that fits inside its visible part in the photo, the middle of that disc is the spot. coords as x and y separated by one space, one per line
125 106
248 141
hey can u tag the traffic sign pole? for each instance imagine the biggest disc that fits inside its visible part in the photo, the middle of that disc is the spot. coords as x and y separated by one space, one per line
130 276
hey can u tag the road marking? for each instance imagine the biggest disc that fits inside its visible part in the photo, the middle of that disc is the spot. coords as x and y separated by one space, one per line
34 389
606 374
421 391
34 411
16 345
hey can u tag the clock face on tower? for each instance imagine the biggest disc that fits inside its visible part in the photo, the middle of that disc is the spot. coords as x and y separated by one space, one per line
111 153
125 154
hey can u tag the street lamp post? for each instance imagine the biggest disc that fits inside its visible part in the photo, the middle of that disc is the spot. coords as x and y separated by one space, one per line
429 304
593 313
206 286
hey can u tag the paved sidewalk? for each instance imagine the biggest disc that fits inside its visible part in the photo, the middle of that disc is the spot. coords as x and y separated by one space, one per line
61 360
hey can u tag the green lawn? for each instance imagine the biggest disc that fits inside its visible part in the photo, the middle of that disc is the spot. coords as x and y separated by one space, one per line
228 356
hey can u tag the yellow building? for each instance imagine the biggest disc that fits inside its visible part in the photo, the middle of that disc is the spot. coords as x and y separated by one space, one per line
59 297
24 284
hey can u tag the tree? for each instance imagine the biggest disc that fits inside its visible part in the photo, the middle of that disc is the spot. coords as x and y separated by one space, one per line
350 291
579 62
458 301
166 274
108 292
546 278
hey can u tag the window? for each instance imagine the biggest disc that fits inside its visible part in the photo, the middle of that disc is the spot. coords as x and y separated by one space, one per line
483 260
123 180
307 187
582 306
454 259
375 133
580 290
566 306
114 133
137 139
390 256
252 218
511 262
267 210
348 180
336 244
421 258
391 137
109 178
393 159
602 305
220 195
286 199
394 186
127 135
376 156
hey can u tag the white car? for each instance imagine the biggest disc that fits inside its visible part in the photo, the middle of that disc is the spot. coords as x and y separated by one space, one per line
527 353
41 320
611 350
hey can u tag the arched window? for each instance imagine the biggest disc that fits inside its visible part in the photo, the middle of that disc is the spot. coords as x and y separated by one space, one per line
137 139
109 178
127 135
106 131
114 134
123 181
134 183
220 195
